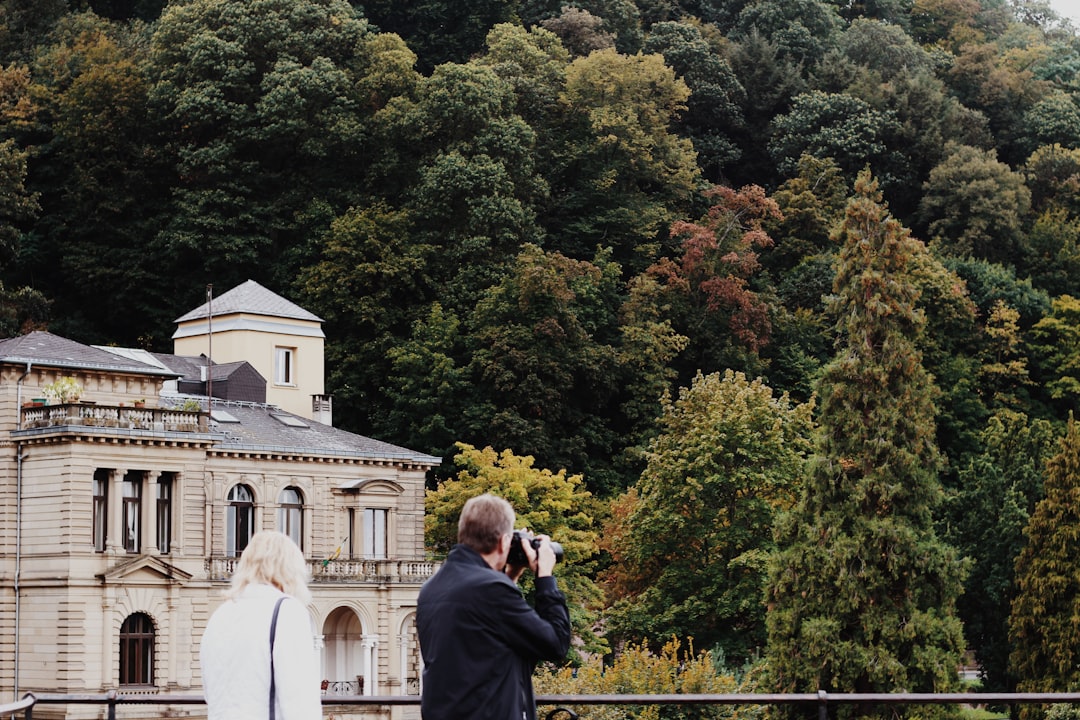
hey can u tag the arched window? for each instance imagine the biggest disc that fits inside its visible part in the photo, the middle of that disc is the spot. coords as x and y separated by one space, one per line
240 520
290 515
137 650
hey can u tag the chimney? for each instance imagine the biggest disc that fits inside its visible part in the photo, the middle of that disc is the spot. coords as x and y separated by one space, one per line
322 409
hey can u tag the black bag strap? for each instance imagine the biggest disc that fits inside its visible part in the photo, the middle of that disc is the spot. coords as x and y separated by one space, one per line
273 632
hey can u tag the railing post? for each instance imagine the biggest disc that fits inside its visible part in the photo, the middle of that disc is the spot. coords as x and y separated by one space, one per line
823 705
111 695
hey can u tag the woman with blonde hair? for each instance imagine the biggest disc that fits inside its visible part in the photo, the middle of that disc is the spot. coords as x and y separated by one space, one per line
258 652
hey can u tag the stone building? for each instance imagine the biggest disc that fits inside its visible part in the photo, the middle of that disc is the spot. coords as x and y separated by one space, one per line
125 506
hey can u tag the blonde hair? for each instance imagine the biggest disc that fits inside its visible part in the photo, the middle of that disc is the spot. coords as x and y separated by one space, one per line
484 520
272 558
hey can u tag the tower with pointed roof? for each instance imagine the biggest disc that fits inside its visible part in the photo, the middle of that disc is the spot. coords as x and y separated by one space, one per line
281 340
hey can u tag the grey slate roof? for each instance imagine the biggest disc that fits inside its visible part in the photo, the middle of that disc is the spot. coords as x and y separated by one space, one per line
44 348
258 428
189 367
251 298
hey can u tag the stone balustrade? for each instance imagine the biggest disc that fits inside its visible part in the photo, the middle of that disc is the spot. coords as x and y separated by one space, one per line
114 416
344 571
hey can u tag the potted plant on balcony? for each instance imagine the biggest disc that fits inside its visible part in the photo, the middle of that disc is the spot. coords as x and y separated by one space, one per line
65 390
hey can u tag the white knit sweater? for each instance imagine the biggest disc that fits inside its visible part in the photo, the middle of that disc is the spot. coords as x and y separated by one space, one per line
235 659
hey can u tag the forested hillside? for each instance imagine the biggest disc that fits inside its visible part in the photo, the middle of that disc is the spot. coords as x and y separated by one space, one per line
532 224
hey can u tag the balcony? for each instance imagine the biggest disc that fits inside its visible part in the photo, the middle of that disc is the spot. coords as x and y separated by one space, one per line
114 416
380 572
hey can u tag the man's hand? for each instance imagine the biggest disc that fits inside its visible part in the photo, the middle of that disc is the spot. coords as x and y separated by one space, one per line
542 561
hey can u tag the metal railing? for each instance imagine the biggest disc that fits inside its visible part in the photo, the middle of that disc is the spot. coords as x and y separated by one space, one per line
565 703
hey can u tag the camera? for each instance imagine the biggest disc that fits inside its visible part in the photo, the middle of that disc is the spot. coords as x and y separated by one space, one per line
517 553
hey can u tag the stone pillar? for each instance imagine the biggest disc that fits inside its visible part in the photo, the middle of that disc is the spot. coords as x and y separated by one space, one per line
114 534
369 645
148 510
403 663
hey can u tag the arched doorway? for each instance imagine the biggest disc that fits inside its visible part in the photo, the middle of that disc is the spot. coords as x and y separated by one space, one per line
350 657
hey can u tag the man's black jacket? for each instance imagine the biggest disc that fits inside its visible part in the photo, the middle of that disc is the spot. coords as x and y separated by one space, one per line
481 641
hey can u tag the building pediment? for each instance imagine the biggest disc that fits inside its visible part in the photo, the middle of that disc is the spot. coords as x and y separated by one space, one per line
376 486
144 569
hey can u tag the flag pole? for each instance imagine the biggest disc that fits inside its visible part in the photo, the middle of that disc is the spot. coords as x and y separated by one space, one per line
209 347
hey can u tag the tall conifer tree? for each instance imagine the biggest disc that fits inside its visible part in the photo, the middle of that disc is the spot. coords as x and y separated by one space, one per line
1043 626
862 593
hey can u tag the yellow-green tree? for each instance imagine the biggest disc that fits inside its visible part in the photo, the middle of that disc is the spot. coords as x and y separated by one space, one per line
636 670
690 540
548 503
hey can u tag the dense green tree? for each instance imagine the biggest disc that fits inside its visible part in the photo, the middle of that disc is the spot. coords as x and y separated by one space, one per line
369 261
1054 346
621 18
146 10
943 22
647 347
439 31
811 204
691 550
427 385
1052 173
898 77
1053 120
987 283
714 109
836 126
24 24
1042 626
802 29
623 175
776 79
1002 482
1003 376
533 63
258 105
950 347
476 187
545 502
545 365
18 205
883 48
862 592
94 169
1001 85
1054 262
23 308
973 205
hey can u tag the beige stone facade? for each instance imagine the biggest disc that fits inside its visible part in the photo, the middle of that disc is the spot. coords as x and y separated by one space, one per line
121 526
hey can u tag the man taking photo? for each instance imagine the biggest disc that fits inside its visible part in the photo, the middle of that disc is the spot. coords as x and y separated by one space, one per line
479 639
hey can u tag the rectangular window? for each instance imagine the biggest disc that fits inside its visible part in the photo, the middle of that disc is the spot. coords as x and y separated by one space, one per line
101 508
352 532
284 359
164 511
375 533
132 512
